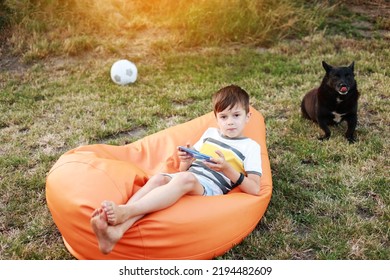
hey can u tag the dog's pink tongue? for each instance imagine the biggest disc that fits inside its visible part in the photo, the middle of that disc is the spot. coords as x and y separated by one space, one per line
343 89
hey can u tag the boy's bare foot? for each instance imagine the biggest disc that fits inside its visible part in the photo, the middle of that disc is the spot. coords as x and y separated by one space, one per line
115 214
106 235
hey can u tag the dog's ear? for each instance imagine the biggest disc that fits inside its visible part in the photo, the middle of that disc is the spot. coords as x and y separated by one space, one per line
326 66
352 66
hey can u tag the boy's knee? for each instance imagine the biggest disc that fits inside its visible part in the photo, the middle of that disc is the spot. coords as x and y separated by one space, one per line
160 179
187 180
187 177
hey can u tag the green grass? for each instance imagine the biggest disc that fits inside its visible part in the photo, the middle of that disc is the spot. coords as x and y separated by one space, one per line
41 29
330 200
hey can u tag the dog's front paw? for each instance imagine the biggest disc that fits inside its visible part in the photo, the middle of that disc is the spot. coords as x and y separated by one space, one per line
325 137
351 140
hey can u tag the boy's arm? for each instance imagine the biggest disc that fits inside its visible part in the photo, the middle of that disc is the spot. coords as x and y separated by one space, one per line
185 159
184 166
250 184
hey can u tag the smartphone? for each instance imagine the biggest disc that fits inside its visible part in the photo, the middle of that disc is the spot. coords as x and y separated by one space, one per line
194 153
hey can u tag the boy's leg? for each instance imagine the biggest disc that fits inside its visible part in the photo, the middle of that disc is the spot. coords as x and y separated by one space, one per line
108 235
156 199
154 182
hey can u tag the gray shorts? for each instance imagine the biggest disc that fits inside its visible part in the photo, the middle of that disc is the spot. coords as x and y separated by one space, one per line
210 188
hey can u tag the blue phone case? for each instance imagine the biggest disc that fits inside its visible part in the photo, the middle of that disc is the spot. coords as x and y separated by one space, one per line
194 153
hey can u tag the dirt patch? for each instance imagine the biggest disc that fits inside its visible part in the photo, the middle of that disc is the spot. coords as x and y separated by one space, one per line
372 9
8 61
377 14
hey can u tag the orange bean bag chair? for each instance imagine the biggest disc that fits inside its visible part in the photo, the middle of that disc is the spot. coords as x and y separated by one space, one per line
196 227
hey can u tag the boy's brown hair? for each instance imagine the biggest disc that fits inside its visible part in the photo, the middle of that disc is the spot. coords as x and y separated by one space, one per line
230 96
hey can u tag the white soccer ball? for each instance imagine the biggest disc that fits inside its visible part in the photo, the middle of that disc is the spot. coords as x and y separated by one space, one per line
124 72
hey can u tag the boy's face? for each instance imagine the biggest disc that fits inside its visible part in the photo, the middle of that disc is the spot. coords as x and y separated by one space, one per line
231 121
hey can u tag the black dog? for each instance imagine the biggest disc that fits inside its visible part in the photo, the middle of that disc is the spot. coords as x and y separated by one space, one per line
336 100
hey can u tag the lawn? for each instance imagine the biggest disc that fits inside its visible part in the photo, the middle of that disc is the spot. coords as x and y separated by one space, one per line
331 199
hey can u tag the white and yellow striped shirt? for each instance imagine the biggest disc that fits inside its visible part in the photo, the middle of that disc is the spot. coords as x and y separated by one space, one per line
242 153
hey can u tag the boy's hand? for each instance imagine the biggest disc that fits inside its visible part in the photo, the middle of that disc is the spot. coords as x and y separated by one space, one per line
217 164
183 156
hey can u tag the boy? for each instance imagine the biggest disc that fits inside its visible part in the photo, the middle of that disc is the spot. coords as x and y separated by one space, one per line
235 162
